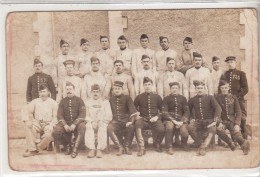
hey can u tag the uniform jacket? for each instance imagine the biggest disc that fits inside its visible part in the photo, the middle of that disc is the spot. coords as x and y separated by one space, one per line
71 111
230 108
175 107
34 83
237 81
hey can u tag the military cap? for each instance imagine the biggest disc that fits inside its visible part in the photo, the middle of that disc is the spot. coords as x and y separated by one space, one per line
83 41
189 39
43 86
223 82
143 36
174 83
214 58
147 79
197 83
169 59
37 61
67 62
95 87
229 58
122 37
196 54
70 84
118 83
63 42
162 37
144 57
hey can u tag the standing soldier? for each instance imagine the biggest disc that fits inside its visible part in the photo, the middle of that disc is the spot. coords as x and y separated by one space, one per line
83 60
146 72
186 57
237 86
70 77
149 105
106 56
198 73
124 54
37 79
230 118
94 77
161 55
205 112
71 121
171 75
176 115
98 116
216 73
59 71
39 116
124 114
137 65
119 75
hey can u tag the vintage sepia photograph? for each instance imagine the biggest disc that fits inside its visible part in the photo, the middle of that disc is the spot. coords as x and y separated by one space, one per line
99 90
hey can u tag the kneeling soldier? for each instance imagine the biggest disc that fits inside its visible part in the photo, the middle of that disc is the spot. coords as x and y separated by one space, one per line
124 114
71 117
230 118
40 116
149 105
99 114
205 112
176 114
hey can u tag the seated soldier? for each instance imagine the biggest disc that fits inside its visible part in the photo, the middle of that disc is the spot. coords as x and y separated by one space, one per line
39 116
176 114
124 114
149 105
71 122
205 112
98 115
230 118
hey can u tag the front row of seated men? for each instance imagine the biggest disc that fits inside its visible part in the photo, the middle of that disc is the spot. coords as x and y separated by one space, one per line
74 121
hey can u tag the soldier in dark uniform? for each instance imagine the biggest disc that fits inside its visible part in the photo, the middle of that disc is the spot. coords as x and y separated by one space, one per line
237 86
124 114
38 79
205 113
230 118
71 121
149 105
176 114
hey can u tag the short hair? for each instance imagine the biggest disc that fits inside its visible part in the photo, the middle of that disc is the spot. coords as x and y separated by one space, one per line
70 84
92 59
174 83
144 57
122 37
214 58
144 36
196 54
163 37
43 86
95 87
63 42
118 61
147 79
188 39
197 83
101 37
169 59
83 41
223 82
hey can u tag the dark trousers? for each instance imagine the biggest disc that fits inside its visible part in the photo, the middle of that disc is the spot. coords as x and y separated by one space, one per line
119 129
156 127
234 131
244 130
198 129
65 138
170 128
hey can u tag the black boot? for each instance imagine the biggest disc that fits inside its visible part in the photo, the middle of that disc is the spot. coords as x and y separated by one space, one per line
76 145
128 141
169 151
68 149
114 138
158 148
184 145
141 152
232 145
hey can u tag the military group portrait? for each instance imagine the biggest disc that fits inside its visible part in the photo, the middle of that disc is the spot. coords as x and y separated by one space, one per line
133 101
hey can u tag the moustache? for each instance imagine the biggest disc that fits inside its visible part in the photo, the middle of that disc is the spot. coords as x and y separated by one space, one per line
69 93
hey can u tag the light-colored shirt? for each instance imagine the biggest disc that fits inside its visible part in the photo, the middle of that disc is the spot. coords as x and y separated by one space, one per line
201 74
98 110
83 62
168 77
153 75
106 57
126 57
160 58
91 79
137 65
215 75
75 80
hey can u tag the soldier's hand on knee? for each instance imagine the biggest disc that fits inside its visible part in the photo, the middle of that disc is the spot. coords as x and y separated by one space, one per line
220 126
212 124
67 128
72 127
154 119
236 127
128 123
192 120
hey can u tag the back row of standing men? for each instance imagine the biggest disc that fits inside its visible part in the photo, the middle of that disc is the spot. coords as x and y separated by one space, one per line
105 67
